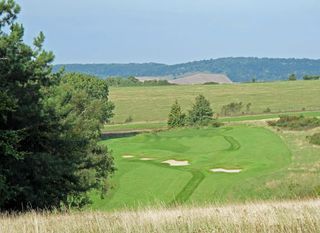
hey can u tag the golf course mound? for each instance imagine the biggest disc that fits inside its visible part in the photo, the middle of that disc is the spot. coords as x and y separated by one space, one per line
198 154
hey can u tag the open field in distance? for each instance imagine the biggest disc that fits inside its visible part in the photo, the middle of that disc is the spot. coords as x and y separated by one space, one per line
153 103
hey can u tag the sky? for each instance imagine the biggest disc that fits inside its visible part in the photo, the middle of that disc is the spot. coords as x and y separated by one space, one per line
173 31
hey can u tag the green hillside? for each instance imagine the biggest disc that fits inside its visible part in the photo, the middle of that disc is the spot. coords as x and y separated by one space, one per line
153 103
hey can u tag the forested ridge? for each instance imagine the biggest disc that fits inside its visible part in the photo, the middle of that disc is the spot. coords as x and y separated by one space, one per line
238 69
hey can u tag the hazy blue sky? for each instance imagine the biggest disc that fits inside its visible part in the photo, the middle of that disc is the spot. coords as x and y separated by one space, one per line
173 31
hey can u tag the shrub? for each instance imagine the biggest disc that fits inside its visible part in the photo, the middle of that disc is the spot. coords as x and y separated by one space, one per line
176 117
311 77
292 77
296 122
315 139
232 108
267 110
128 120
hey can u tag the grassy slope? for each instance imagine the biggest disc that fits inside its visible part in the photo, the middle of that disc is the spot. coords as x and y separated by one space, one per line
153 103
163 125
257 151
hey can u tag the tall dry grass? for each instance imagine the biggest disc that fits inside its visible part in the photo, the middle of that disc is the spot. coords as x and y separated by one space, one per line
289 216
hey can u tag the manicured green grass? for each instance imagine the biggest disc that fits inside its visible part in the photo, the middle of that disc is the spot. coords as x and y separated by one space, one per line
258 152
153 103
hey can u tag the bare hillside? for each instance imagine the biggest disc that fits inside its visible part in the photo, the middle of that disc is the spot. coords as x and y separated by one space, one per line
201 78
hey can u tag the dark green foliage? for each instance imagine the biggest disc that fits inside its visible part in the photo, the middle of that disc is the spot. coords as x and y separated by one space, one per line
248 107
176 117
232 108
311 77
129 119
211 83
296 122
315 139
267 110
48 149
132 81
239 69
88 92
292 77
201 112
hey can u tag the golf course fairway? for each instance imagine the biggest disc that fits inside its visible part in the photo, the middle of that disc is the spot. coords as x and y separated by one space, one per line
244 158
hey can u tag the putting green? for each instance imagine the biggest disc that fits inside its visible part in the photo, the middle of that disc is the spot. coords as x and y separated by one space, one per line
257 152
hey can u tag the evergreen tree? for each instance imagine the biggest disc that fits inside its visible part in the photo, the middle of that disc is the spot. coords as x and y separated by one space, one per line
176 117
292 77
46 158
201 112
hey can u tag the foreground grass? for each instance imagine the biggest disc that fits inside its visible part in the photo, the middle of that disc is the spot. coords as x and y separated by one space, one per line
286 216
153 103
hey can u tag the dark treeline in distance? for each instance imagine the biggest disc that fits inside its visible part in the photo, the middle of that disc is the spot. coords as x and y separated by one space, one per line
132 82
240 69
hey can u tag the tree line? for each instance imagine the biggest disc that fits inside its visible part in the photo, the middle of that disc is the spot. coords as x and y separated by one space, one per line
238 69
132 82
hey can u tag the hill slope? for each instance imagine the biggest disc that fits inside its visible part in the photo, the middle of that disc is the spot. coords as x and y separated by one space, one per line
201 78
237 69
153 103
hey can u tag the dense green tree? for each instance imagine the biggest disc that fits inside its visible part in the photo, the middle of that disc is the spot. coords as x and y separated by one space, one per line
176 117
311 77
292 77
201 112
48 155
233 108
132 81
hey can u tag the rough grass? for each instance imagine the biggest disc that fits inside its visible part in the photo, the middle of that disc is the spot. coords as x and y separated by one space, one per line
266 217
156 125
153 103
296 122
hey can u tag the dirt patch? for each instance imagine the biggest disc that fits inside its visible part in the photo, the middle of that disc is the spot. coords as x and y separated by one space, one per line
176 163
225 170
127 156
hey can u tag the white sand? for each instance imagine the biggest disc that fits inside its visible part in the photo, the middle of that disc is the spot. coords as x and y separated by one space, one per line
225 170
176 163
127 156
146 159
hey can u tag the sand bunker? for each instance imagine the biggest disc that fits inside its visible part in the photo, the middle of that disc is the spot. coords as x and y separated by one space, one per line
146 159
127 156
225 170
176 163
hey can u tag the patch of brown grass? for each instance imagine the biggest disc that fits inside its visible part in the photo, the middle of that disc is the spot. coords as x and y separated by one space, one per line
288 216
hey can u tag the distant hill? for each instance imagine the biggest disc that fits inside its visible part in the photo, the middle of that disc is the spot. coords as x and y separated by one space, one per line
201 78
239 69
